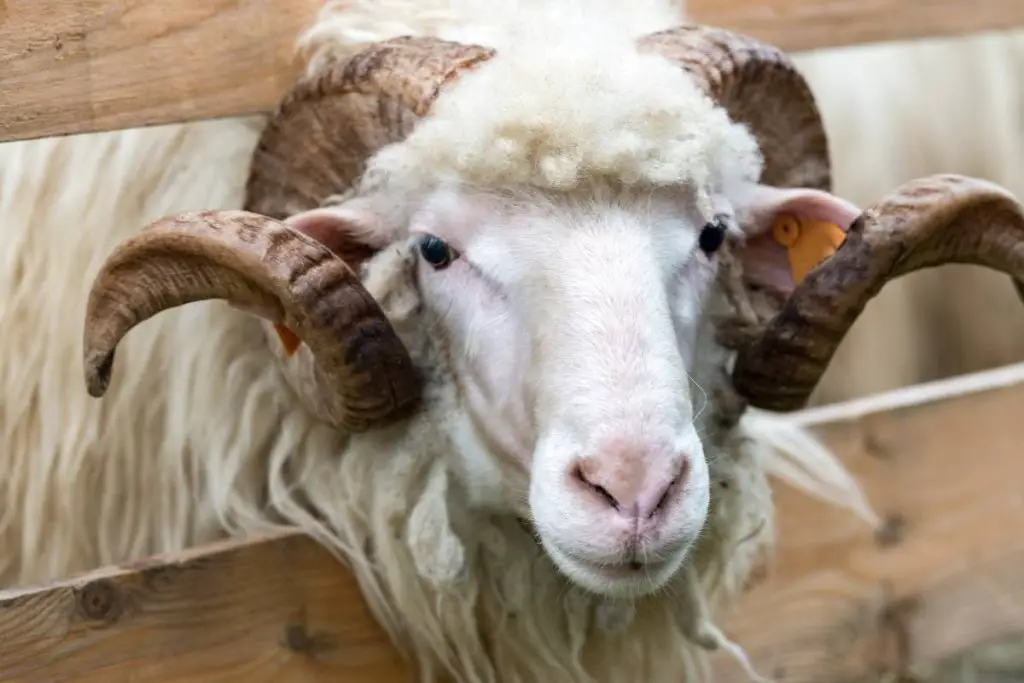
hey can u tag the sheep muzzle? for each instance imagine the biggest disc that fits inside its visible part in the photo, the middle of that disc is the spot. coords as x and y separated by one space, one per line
358 371
924 223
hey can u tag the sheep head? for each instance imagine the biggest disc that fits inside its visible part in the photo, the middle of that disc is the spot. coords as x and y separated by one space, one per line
571 295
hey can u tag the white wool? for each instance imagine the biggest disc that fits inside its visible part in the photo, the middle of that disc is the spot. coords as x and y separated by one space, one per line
87 482
605 109
199 437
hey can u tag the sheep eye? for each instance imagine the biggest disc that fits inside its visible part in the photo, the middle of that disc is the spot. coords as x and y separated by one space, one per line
436 252
712 235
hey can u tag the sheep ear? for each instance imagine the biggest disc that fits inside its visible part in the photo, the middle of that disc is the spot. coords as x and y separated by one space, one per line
788 233
351 230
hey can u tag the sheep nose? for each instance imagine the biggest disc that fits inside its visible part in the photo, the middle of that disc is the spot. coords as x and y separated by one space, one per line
632 487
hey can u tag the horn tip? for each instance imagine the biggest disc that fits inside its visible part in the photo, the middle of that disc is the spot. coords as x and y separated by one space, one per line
97 373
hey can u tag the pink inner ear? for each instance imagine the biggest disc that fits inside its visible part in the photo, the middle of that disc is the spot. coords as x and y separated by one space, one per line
766 263
323 225
350 233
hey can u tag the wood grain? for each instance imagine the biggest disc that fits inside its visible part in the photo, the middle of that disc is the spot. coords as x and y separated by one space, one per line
281 609
798 25
69 66
943 574
841 601
73 66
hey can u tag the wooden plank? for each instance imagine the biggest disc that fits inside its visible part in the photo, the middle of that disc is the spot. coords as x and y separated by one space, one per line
69 66
268 611
72 66
941 463
798 25
943 574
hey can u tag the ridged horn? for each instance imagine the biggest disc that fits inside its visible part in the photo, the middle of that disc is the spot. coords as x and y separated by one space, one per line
317 143
759 86
353 367
925 223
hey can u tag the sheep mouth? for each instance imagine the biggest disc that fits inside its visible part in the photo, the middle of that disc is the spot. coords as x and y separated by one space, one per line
627 569
631 578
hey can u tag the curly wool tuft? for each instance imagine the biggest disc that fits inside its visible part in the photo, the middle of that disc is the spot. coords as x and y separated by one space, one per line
631 117
569 97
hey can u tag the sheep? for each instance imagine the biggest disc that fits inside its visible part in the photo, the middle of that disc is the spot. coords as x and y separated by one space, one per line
435 537
403 279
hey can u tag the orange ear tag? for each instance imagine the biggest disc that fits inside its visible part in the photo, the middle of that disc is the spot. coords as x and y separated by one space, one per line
289 340
808 243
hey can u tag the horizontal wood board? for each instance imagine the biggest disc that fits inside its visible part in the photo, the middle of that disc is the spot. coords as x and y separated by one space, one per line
75 66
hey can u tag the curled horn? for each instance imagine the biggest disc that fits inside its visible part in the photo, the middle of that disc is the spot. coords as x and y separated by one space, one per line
925 223
317 143
357 370
759 86
353 369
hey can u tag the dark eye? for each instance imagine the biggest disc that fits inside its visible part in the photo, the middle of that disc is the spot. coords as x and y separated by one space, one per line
712 236
436 252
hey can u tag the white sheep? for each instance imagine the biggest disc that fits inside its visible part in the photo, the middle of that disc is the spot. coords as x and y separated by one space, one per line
591 256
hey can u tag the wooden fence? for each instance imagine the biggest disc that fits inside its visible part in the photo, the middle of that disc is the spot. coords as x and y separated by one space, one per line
72 66
941 462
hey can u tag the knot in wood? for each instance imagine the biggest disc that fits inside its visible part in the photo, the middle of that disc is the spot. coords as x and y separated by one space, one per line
892 531
100 601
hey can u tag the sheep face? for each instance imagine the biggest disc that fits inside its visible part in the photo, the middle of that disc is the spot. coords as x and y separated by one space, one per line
579 317
577 329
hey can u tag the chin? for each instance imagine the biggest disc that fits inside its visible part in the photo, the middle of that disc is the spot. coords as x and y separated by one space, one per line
625 580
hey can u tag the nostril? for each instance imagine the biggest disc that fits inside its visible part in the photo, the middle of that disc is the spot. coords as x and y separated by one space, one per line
677 483
601 491
685 466
664 497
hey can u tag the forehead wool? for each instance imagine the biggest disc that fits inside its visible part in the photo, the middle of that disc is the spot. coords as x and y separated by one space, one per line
569 99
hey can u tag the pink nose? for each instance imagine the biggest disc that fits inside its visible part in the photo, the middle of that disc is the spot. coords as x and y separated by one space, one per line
634 487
